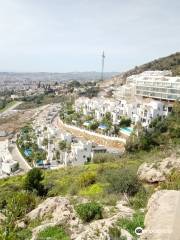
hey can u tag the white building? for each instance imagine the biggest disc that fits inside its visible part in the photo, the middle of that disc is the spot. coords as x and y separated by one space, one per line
80 153
9 167
137 109
7 164
156 84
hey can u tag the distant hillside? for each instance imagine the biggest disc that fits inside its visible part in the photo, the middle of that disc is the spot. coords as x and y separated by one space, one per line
171 62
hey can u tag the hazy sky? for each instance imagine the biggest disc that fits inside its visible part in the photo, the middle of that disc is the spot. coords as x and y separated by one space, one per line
69 35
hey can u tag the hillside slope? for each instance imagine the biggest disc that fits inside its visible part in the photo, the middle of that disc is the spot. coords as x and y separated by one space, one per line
171 62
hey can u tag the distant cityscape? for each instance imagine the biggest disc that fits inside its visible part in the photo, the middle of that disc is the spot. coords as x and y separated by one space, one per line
23 81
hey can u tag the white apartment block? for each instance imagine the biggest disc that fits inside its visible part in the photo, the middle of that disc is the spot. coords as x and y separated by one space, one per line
155 84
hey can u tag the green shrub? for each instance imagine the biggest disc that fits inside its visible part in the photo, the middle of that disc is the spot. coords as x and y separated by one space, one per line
20 204
33 181
93 190
122 181
87 179
89 211
93 126
141 198
131 224
105 157
125 122
24 234
115 233
172 182
53 233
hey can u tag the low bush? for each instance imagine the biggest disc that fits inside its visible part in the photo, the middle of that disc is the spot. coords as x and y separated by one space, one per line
20 204
93 190
105 157
87 179
172 182
89 211
122 181
141 198
54 233
115 233
131 224
125 122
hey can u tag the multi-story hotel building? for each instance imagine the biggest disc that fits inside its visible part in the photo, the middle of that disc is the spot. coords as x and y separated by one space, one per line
156 84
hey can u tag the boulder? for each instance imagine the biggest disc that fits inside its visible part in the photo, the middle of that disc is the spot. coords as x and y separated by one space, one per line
148 173
163 216
55 211
157 172
99 230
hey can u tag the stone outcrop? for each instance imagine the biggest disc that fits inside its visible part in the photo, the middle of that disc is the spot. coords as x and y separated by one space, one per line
2 218
157 172
58 211
55 211
163 216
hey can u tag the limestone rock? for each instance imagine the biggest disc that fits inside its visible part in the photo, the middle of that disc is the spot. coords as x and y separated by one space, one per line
58 211
55 211
124 210
2 218
157 172
99 230
21 224
148 173
163 216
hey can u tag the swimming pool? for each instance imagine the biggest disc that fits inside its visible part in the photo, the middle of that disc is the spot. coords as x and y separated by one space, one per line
27 152
126 130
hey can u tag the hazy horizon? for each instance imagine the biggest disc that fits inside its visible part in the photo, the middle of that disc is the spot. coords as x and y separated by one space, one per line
69 36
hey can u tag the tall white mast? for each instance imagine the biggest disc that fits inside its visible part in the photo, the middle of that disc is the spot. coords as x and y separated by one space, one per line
102 72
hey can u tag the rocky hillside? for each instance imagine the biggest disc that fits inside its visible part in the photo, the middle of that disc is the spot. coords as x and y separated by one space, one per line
106 199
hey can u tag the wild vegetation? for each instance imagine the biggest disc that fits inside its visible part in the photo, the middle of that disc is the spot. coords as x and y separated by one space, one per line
101 183
162 132
40 100
5 104
171 62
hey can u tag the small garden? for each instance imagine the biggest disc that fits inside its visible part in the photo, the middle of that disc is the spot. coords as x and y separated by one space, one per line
27 144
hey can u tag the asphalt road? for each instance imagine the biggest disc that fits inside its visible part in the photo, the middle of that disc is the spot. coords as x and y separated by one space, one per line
18 157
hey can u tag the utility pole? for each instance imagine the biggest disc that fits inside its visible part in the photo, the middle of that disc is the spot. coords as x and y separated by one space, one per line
102 72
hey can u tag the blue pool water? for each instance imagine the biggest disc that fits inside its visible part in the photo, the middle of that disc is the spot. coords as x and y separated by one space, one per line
28 152
126 130
102 126
39 162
